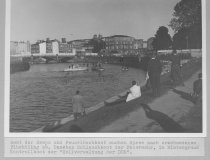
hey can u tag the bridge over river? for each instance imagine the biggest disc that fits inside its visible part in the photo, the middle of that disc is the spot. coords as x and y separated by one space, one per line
130 61
59 57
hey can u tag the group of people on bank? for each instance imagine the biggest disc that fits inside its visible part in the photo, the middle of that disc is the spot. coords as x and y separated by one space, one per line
153 75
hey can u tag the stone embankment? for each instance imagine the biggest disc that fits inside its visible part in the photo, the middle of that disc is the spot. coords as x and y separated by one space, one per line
19 66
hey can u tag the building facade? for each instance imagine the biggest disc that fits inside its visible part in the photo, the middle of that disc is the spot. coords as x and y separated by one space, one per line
14 48
19 47
120 44
51 47
144 44
80 46
35 48
138 46
64 47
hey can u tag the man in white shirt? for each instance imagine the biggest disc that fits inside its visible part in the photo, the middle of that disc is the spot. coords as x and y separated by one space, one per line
135 92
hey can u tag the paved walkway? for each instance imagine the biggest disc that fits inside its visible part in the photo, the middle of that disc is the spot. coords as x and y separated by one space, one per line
171 104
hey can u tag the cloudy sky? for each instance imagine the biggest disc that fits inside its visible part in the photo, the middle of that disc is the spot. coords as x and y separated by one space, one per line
75 19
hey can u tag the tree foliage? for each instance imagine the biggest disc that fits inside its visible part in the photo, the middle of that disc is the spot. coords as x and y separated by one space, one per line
187 38
97 43
187 24
187 13
162 39
180 39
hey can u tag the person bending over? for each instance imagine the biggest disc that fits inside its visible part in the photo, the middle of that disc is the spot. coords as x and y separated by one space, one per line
135 92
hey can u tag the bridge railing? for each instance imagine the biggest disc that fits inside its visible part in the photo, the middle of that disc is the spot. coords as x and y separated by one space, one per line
28 54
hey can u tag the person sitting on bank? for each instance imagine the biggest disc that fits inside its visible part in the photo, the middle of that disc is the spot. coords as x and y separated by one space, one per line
135 92
78 105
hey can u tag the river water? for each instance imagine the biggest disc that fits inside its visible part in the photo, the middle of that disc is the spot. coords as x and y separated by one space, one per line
43 94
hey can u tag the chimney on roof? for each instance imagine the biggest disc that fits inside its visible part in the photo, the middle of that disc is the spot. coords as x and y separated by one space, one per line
63 40
48 40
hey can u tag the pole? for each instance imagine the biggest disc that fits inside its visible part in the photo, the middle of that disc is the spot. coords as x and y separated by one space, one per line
187 42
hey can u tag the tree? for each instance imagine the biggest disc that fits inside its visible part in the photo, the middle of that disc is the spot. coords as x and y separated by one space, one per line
187 17
97 43
162 39
180 39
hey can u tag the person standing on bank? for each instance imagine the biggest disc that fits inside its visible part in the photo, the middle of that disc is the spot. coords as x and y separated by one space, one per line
154 71
197 89
176 75
78 105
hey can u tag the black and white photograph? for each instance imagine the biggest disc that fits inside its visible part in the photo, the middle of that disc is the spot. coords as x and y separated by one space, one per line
106 66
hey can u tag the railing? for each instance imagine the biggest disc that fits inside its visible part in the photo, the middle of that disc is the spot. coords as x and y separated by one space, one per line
44 54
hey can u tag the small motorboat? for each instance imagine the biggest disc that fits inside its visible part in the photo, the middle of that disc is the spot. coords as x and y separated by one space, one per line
75 68
101 69
124 69
97 69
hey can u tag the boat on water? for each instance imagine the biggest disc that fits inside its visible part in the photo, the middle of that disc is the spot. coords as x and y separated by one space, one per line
124 69
97 69
75 68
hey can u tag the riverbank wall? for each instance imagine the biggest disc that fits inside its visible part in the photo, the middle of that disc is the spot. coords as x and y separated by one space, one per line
132 61
115 107
19 66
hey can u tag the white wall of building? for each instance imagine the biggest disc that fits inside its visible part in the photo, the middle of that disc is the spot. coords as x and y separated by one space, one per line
144 44
19 47
22 46
55 47
42 47
13 48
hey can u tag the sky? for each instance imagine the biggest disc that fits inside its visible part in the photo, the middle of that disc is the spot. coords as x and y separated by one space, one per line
77 19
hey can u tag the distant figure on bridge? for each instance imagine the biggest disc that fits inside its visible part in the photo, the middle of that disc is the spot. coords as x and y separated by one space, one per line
154 71
135 92
78 105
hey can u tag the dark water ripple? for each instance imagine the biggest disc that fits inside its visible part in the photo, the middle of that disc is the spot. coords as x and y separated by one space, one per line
43 94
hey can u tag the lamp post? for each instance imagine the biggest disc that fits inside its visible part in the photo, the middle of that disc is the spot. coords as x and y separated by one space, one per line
187 42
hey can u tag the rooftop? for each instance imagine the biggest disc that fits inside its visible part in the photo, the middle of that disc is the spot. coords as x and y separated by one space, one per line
116 36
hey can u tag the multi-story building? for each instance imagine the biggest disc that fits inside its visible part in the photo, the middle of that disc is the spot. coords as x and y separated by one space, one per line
138 46
64 47
144 44
80 46
120 44
49 46
19 47
35 48
14 48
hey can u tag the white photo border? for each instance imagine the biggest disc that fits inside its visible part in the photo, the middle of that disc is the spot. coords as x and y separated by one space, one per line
7 133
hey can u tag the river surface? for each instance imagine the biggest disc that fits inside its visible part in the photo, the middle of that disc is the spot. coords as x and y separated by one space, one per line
43 94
